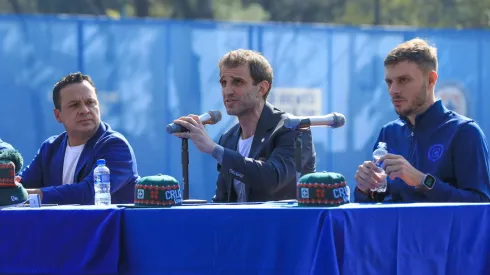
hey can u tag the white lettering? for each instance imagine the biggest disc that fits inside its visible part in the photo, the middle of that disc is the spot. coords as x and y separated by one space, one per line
339 193
174 195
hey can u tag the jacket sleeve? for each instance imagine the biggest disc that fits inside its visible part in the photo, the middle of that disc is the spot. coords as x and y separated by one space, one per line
119 159
471 166
264 175
219 195
32 174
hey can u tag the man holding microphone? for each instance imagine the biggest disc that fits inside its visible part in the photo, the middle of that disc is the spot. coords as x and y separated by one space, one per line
256 156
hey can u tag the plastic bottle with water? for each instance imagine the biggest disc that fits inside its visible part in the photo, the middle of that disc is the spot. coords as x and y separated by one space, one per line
102 184
377 154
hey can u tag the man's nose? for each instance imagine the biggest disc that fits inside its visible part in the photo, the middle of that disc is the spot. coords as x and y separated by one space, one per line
393 89
227 90
84 109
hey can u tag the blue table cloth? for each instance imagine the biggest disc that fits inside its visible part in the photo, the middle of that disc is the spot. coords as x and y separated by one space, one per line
449 239
271 239
60 240
247 239
227 240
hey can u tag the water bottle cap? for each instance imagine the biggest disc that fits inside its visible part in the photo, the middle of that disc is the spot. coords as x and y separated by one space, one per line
381 144
101 162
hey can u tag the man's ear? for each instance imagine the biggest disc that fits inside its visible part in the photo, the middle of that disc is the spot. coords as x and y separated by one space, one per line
433 79
57 115
264 88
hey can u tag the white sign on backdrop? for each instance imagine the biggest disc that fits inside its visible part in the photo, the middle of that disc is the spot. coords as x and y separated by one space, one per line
453 97
297 101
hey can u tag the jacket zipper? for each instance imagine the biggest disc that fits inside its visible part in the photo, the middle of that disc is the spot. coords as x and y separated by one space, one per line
412 149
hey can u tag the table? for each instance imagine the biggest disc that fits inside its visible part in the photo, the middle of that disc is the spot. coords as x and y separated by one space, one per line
60 240
227 240
271 239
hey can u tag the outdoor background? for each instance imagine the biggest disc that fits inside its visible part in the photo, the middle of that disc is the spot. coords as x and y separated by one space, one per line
153 61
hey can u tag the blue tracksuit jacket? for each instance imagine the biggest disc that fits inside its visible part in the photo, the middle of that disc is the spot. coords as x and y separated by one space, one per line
449 146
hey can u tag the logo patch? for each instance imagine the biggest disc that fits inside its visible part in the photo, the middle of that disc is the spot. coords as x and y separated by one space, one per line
140 194
435 152
305 193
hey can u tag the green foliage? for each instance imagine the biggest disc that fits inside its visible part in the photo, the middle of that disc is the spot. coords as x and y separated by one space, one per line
422 13
235 10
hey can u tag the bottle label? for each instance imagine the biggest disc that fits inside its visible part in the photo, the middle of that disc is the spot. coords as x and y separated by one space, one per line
102 178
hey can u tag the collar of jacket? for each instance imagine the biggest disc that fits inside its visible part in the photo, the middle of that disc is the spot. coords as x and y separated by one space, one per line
433 116
103 127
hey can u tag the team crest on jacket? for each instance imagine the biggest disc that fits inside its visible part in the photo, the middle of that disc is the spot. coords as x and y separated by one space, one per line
435 152
453 97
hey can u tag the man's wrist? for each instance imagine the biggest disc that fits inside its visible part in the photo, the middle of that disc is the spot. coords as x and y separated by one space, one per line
427 182
218 153
420 179
364 192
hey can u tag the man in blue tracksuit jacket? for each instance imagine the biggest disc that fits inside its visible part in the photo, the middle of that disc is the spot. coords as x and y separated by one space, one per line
62 170
435 155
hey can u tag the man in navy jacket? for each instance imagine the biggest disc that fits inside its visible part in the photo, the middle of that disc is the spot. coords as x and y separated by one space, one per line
436 155
256 156
62 170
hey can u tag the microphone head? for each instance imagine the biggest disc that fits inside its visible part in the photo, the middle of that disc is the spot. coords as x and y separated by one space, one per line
215 116
338 120
173 128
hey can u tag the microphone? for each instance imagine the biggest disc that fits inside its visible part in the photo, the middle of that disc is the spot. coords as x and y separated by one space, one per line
333 120
211 117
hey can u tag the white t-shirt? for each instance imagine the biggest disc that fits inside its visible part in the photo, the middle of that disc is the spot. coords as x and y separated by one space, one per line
72 154
244 149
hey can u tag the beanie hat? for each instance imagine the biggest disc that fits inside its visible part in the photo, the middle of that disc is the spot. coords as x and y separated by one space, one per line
11 193
157 191
322 189
4 145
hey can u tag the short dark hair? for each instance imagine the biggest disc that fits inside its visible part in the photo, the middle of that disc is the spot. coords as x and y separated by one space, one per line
67 80
260 69
417 51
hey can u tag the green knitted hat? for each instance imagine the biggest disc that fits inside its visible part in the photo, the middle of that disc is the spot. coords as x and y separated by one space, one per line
322 189
11 193
157 191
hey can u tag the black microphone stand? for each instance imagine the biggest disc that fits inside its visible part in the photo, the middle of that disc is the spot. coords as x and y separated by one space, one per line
185 167
298 152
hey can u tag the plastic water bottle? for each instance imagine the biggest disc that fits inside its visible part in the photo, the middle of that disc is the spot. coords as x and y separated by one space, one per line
377 154
102 184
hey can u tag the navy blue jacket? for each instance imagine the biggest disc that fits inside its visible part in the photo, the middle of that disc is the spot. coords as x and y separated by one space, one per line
449 146
269 171
46 170
5 145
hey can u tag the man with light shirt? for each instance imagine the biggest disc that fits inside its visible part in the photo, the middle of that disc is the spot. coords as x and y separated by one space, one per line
62 169
256 156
